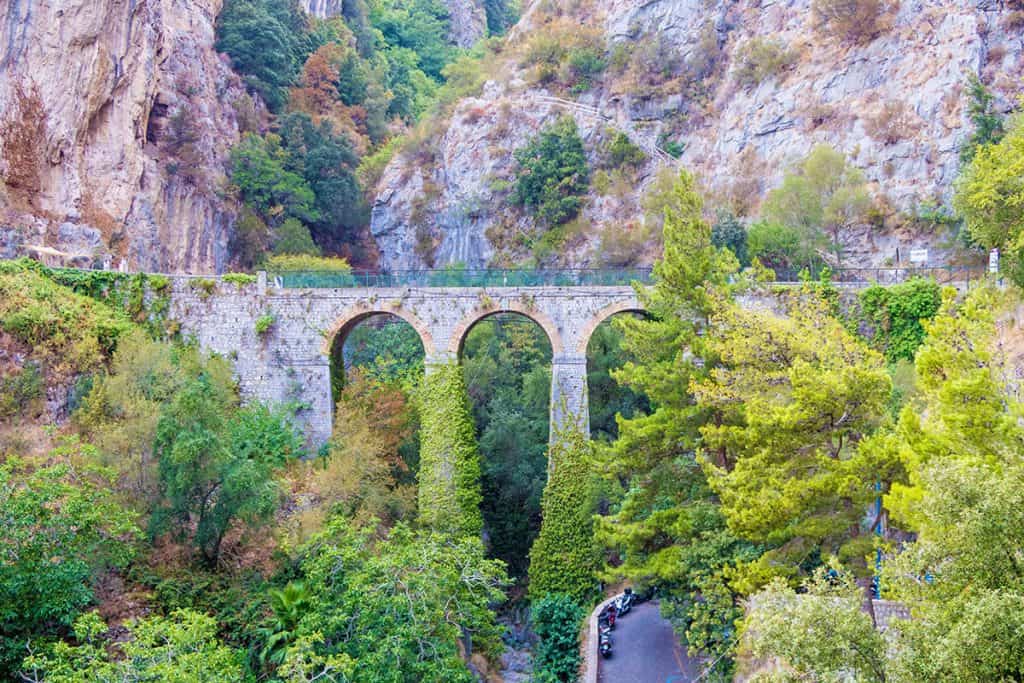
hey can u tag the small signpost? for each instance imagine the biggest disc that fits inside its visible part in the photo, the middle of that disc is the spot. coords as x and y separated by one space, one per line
919 257
993 261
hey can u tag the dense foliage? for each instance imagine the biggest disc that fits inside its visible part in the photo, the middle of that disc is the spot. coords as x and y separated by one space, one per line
183 648
990 197
399 609
61 532
563 559
506 361
556 621
895 315
959 442
553 175
449 476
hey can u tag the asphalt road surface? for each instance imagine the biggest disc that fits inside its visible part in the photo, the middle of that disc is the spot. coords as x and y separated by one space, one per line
645 649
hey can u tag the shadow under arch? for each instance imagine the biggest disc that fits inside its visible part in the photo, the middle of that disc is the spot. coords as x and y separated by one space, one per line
601 316
459 334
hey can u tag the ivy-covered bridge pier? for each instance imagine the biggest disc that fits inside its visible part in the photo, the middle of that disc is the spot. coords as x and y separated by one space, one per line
280 330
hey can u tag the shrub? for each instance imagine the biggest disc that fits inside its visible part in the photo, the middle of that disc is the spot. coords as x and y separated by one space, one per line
556 621
894 122
759 59
265 322
67 332
284 263
620 151
21 391
239 279
552 176
856 21
584 63
204 287
293 238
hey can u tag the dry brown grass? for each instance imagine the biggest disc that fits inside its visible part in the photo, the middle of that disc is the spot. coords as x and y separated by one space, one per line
23 140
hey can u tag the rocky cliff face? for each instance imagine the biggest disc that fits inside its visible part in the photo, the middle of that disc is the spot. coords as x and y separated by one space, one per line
116 117
894 103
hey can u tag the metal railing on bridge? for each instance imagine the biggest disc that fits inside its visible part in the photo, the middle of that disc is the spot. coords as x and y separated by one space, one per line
592 277
943 275
489 277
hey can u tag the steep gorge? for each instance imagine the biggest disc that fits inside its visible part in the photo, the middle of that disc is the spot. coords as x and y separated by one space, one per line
892 101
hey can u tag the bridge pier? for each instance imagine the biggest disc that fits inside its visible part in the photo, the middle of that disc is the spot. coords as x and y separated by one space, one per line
569 403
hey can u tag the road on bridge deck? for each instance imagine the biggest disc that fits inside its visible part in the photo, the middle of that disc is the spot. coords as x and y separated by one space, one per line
645 649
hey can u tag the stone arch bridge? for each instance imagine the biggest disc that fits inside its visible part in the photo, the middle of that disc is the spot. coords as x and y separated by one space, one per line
291 360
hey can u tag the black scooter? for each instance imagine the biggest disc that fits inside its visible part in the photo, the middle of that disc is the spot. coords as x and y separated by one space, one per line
604 641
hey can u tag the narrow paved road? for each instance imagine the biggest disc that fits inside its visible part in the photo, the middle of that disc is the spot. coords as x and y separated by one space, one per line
645 649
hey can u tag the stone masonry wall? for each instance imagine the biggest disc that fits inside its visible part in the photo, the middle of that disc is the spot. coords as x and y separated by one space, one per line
291 361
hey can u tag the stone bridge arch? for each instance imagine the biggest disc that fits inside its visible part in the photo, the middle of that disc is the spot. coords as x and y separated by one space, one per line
542 320
583 339
354 315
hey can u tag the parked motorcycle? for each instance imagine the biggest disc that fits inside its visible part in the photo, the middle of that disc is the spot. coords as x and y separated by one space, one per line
625 602
605 642
607 616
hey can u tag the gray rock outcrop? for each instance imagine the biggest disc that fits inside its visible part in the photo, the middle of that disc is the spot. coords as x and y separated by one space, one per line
116 122
894 104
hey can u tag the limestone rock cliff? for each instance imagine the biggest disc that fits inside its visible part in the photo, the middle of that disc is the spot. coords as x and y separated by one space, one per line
894 103
116 117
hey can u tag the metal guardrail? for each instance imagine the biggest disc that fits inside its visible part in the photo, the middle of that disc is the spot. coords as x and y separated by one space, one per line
580 277
592 277
892 275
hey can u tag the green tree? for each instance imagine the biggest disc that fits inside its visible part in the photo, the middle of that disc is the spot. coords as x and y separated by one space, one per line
216 462
258 171
666 528
181 648
821 633
821 200
294 238
401 605
990 196
962 578
449 477
327 163
989 127
556 621
564 558
728 232
780 248
553 175
266 40
62 530
790 400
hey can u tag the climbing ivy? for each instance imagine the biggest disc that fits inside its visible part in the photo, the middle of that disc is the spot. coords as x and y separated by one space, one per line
564 558
449 486
892 316
144 298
